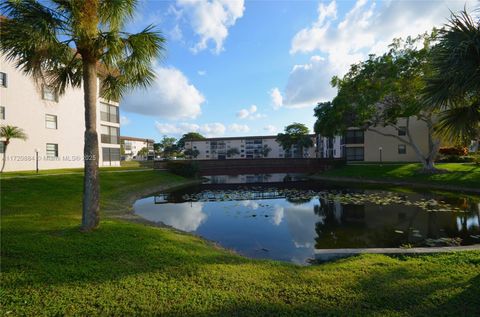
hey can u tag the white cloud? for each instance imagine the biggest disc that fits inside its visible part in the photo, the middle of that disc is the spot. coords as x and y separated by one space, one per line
176 33
211 19
250 113
171 96
368 27
238 128
202 72
124 120
270 129
278 213
208 129
276 97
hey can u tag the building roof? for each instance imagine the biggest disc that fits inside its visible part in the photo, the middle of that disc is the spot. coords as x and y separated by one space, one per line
131 138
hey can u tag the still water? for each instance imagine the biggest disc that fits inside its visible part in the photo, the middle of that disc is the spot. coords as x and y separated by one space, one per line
288 221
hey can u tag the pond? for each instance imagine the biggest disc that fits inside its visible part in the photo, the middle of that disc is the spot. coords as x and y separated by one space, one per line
290 221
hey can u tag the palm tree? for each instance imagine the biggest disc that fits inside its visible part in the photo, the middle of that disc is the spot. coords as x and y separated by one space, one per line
455 87
9 132
67 43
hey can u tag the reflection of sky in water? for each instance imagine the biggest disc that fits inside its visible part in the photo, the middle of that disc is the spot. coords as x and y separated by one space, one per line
290 231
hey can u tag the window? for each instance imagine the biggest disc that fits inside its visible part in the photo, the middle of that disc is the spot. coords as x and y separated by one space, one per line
2 113
52 150
48 93
402 131
110 135
3 80
354 137
110 154
354 153
109 113
50 121
402 149
2 147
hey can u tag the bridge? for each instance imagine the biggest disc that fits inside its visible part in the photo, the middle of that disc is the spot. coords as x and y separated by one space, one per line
259 166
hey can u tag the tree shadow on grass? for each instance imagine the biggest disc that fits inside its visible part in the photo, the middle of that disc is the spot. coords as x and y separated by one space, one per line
115 250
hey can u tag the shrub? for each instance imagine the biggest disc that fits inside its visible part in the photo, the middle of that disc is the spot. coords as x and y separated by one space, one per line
453 150
455 159
183 168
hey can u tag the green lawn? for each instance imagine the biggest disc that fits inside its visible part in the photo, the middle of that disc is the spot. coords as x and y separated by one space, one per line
464 175
125 165
126 268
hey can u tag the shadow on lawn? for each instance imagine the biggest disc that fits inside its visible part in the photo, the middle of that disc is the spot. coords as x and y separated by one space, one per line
109 253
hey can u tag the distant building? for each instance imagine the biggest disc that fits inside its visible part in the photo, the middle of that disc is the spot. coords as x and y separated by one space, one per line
248 147
132 145
55 125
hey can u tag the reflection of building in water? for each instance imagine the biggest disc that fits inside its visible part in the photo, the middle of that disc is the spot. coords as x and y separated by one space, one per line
373 225
253 178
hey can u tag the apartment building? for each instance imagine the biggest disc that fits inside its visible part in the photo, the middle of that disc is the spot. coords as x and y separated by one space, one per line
132 145
54 124
247 147
369 146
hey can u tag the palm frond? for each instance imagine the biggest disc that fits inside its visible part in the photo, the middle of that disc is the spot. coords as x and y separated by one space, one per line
459 124
116 12
12 132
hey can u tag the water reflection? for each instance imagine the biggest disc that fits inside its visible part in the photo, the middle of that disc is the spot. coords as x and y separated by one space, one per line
290 225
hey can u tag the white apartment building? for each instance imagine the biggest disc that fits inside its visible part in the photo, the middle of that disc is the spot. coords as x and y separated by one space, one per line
54 125
132 145
247 147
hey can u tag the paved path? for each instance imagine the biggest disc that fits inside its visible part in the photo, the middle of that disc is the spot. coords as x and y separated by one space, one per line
74 173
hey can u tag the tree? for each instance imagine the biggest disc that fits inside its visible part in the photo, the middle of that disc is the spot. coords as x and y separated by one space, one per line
190 136
381 91
232 152
266 150
296 134
454 87
168 146
9 132
65 44
143 152
191 153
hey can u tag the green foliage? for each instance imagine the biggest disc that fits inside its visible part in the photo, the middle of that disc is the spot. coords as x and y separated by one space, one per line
296 134
454 85
266 150
9 132
380 90
233 152
143 152
124 268
168 146
183 168
190 136
192 153
39 36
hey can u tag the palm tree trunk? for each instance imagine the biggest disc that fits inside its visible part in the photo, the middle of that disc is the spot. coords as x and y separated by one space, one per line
91 186
4 156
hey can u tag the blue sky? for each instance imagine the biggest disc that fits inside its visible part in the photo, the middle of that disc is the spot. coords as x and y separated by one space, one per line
250 68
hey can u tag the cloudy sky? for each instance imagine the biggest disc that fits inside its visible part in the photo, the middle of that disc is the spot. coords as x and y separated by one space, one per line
250 68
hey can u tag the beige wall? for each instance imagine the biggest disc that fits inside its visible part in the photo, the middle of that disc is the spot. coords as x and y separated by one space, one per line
373 141
25 108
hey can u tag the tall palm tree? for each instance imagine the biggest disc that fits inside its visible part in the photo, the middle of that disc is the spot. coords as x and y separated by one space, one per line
455 85
67 43
9 132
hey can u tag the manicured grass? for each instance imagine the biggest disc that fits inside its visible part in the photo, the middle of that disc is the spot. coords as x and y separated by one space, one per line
465 175
126 268
130 165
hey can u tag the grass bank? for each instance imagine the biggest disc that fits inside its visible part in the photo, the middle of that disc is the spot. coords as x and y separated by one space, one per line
125 166
126 268
462 176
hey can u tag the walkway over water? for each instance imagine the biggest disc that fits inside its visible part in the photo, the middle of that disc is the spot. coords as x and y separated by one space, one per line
260 166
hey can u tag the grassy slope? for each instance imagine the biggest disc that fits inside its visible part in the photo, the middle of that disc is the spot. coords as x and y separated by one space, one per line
125 165
123 268
467 175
